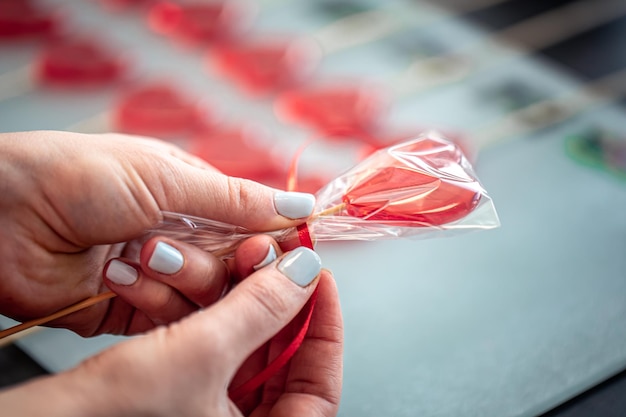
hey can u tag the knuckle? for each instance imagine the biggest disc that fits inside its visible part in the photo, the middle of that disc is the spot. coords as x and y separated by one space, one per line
242 195
213 279
236 193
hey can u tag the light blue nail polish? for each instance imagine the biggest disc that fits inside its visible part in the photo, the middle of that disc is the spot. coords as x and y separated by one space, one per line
269 258
121 273
166 259
294 205
301 265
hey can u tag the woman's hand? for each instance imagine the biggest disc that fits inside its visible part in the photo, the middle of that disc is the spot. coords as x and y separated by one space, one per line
70 202
185 369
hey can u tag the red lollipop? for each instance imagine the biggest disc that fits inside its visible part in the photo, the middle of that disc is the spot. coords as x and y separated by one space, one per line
79 63
265 66
118 5
196 22
426 182
24 19
159 110
337 110
238 152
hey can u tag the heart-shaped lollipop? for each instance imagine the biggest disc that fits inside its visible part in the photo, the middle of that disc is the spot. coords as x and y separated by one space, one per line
265 66
79 63
159 110
420 183
25 19
334 110
199 22
119 5
239 152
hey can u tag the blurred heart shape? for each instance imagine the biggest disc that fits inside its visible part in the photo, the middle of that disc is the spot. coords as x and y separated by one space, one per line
79 62
337 111
159 110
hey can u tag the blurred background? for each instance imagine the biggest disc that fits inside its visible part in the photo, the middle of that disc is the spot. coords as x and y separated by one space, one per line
524 320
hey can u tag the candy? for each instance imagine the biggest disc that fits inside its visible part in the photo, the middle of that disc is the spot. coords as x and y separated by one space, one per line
79 63
200 22
334 110
238 152
261 67
24 19
422 182
425 182
159 110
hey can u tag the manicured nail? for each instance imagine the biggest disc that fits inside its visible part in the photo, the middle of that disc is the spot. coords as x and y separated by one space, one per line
121 273
301 265
294 205
269 258
166 259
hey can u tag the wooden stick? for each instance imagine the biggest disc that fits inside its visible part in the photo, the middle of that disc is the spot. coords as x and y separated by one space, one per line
329 211
8 340
61 313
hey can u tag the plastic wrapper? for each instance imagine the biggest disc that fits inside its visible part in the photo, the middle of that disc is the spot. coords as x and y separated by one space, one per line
415 189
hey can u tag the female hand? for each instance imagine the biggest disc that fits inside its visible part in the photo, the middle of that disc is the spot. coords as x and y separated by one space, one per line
184 369
70 202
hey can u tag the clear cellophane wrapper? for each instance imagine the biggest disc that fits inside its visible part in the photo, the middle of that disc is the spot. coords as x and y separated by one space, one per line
418 188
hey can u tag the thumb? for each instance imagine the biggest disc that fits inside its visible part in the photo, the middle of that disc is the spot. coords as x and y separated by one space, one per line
264 303
196 191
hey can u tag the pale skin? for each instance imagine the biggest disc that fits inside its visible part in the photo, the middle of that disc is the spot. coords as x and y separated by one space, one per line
70 203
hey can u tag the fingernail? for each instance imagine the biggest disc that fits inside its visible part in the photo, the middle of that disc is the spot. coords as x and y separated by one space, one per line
166 259
294 205
301 265
269 258
121 273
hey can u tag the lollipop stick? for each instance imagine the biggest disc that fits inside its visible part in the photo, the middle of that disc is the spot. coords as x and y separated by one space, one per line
84 304
8 340
329 211
62 313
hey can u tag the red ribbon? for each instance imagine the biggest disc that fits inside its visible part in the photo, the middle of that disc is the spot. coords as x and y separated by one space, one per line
281 360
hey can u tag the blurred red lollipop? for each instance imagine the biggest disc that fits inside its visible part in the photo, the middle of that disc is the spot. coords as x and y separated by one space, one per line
118 5
72 64
264 66
239 152
78 63
200 22
159 110
22 19
337 110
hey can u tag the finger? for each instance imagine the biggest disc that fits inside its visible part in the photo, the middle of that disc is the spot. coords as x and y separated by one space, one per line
126 182
184 186
159 301
253 254
314 378
230 200
261 305
194 273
